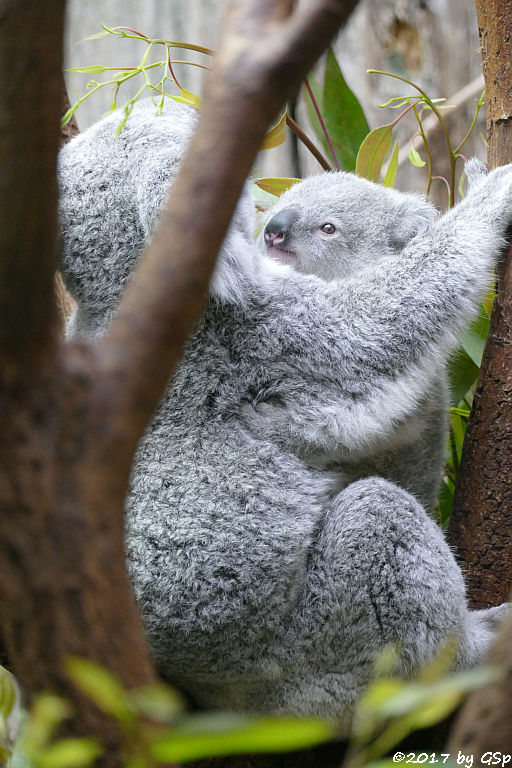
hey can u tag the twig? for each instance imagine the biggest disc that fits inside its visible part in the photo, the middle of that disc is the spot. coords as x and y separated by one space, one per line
431 123
295 127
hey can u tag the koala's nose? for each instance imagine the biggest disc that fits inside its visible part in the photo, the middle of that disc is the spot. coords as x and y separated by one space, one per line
278 228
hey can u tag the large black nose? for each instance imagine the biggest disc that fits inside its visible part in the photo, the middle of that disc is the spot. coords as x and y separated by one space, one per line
278 228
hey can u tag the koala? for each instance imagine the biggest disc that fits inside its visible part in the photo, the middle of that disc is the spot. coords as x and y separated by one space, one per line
271 559
321 227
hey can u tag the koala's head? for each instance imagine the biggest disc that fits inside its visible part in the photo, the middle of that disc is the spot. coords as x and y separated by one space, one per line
335 224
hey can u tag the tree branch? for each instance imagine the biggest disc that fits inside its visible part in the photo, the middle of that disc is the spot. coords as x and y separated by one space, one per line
265 54
31 61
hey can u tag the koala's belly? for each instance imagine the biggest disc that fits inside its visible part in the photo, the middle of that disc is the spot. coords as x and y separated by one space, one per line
413 457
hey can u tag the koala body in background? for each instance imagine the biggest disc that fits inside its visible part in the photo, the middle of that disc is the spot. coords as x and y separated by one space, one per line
267 578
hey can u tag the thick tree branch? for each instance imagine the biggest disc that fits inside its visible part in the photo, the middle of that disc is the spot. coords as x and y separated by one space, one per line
30 62
264 56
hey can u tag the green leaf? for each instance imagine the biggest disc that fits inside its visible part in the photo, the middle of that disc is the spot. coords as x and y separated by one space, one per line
277 135
203 736
70 753
461 185
159 702
343 115
101 686
415 159
46 715
463 373
444 503
390 175
7 693
93 69
276 186
372 152
68 115
190 98
473 345
105 32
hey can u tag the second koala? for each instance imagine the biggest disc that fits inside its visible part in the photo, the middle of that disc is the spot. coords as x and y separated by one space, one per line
268 579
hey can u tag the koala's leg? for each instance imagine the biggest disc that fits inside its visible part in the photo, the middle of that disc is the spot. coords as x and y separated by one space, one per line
379 572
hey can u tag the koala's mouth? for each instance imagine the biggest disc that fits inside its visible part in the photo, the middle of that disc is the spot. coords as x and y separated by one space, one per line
282 255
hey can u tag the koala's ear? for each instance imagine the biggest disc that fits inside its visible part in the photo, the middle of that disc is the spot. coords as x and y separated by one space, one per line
475 171
416 218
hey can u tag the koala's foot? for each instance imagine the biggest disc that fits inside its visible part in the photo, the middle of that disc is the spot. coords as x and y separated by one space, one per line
379 573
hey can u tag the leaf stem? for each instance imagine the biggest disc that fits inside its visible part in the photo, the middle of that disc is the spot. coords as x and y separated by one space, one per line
319 157
425 144
470 129
451 154
322 124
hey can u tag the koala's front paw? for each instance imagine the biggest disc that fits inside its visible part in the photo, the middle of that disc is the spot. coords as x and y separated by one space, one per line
494 617
475 172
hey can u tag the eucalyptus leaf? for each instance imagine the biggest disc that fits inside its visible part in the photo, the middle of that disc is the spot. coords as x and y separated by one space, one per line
97 35
7 693
190 98
343 115
462 374
159 702
372 153
415 158
236 735
93 69
70 753
277 135
276 186
391 170
101 686
473 344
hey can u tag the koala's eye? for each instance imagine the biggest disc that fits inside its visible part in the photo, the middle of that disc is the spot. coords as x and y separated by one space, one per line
328 228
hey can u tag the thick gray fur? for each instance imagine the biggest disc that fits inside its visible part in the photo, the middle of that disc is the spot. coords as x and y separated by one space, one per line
269 568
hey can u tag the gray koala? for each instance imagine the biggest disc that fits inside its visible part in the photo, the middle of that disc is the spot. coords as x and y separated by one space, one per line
267 576
322 227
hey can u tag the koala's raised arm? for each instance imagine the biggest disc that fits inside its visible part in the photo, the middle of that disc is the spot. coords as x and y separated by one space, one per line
372 340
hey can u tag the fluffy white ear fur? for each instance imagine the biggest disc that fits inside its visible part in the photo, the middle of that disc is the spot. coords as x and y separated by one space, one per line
475 171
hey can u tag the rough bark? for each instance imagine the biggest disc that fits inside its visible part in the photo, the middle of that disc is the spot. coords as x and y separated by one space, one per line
72 414
481 524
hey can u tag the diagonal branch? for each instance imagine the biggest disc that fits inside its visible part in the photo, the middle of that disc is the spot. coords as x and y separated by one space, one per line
265 54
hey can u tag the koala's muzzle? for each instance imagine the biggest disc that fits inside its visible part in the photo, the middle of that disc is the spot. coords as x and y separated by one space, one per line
277 231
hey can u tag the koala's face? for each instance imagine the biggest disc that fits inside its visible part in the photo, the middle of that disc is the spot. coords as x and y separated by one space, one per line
336 224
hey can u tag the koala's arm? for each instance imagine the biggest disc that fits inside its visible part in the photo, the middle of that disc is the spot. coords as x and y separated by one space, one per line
363 351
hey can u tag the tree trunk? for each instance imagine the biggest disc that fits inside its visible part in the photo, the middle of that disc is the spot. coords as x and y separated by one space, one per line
481 524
